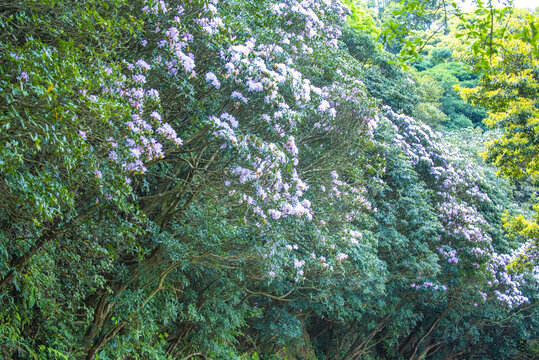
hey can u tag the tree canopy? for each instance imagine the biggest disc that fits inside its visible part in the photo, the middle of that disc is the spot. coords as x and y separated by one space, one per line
262 180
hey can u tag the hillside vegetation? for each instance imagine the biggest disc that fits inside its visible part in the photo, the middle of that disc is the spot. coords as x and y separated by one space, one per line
266 179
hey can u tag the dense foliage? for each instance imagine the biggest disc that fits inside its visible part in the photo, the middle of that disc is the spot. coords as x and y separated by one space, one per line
509 89
250 179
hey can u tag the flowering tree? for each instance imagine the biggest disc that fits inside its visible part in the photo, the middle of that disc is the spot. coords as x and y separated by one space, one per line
186 179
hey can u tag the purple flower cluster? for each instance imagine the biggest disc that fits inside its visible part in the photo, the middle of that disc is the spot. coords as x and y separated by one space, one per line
251 74
465 231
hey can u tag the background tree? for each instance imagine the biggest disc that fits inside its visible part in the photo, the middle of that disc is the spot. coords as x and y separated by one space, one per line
509 89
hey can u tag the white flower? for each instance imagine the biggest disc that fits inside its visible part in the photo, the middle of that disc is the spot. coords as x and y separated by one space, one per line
212 78
324 105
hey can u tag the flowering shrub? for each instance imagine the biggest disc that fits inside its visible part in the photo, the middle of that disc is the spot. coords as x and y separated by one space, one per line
464 238
203 178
